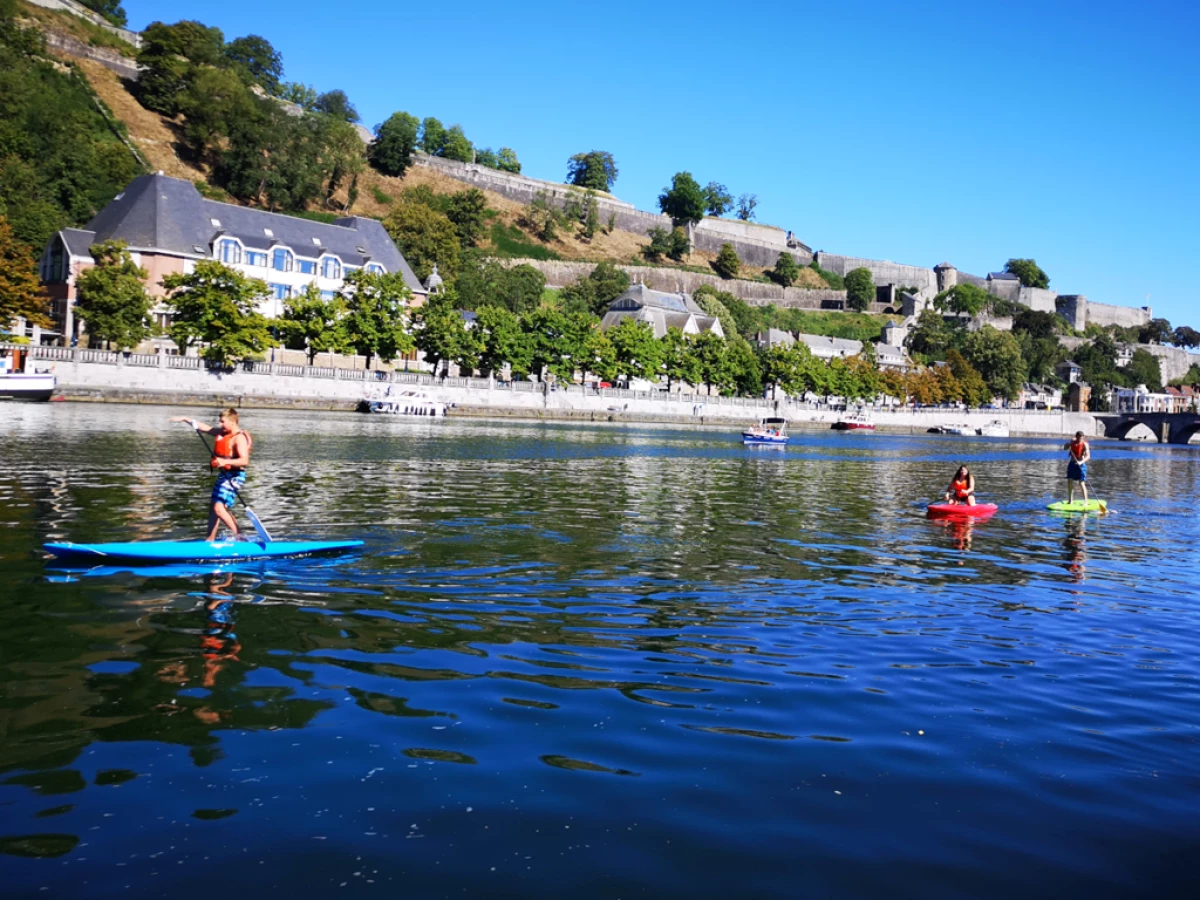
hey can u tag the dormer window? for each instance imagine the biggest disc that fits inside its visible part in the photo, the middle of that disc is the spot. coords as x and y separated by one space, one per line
282 259
331 267
375 268
229 251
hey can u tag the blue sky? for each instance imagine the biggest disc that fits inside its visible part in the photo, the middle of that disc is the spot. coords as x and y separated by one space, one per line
916 132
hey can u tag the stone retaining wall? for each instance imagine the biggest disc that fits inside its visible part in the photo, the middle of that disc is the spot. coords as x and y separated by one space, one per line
78 9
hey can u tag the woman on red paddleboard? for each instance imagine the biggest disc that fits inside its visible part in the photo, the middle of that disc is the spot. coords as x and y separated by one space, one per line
962 487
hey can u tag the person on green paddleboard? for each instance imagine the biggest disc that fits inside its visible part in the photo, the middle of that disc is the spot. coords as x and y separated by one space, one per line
1078 454
231 456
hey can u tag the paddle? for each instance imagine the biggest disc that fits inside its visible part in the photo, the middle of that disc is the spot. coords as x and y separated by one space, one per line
264 536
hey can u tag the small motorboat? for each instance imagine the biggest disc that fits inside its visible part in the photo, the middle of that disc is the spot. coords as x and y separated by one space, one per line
994 428
770 432
958 429
19 382
856 422
404 403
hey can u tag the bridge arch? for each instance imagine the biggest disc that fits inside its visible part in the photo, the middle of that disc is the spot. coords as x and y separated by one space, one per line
1184 434
1133 430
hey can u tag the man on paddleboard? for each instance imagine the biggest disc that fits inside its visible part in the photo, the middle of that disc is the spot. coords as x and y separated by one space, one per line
231 456
1078 454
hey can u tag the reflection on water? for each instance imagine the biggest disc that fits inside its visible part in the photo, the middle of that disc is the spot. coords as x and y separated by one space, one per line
600 660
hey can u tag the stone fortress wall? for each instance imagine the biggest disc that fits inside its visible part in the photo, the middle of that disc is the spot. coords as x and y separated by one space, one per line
78 9
560 273
756 245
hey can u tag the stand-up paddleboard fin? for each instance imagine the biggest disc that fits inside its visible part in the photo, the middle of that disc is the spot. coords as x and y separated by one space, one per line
264 536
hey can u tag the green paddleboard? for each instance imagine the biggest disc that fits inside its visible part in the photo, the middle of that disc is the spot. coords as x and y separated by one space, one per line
1079 506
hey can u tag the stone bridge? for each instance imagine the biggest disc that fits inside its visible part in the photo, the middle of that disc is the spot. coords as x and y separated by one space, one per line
1169 428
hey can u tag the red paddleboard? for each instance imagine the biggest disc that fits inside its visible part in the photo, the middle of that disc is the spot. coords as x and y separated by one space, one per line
961 510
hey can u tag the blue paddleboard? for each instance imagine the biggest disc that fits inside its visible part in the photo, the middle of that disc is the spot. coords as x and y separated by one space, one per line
195 551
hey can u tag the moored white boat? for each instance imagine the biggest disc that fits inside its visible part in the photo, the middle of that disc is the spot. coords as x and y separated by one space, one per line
770 432
994 428
856 422
18 384
958 429
404 403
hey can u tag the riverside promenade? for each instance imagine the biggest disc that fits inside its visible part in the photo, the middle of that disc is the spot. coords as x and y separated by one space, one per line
102 376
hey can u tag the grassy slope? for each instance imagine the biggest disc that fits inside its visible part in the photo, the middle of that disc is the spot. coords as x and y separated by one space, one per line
74 26
156 137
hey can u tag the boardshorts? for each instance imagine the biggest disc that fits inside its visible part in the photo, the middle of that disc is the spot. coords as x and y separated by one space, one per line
1076 471
228 484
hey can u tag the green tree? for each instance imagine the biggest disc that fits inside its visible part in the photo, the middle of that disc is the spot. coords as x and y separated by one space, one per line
684 200
376 320
638 352
217 306
111 297
717 199
467 210
786 270
503 340
964 299
456 146
783 367
996 355
558 341
596 170
426 238
433 136
1144 368
439 331
744 368
303 95
727 264
1029 272
1186 336
660 244
709 300
314 323
167 57
110 9
931 337
679 363
1156 331
860 289
710 363
595 292
521 287
257 61
21 293
335 103
601 356
212 99
506 161
746 205
395 142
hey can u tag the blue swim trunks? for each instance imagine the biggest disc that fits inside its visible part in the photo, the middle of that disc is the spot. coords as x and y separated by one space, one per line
228 484
1076 471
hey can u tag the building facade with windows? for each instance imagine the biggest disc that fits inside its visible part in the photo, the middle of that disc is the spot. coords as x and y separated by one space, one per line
169 227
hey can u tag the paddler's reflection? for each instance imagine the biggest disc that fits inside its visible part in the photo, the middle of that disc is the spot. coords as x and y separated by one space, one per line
1075 544
960 533
220 642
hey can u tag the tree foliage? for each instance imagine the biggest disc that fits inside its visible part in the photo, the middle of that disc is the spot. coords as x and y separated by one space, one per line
786 270
596 170
727 264
467 210
21 294
110 9
111 297
376 320
638 353
433 136
257 61
860 289
1029 272
963 299
1144 368
217 306
996 355
684 201
395 142
335 103
595 292
717 199
426 238
746 205
315 323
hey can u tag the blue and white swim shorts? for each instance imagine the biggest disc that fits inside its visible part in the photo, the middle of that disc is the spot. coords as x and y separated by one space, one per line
228 484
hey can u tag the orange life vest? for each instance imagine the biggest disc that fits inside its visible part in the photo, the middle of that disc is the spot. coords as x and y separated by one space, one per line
1077 448
225 445
961 487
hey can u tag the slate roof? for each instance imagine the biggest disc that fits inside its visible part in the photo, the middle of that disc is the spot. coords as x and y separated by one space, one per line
640 295
156 212
774 337
839 346
1002 276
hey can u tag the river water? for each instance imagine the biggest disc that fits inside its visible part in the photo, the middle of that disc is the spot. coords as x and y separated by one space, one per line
603 661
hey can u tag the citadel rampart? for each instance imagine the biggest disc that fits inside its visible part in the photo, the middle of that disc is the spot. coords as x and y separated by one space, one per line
559 273
78 9
756 245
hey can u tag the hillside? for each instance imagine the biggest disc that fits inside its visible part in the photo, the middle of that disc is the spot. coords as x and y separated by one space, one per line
159 139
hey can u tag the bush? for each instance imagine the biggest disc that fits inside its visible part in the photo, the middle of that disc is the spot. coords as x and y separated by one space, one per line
382 197
835 281
860 289
727 264
511 242
786 270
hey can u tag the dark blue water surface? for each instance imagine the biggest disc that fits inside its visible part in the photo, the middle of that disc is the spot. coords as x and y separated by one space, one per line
596 662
